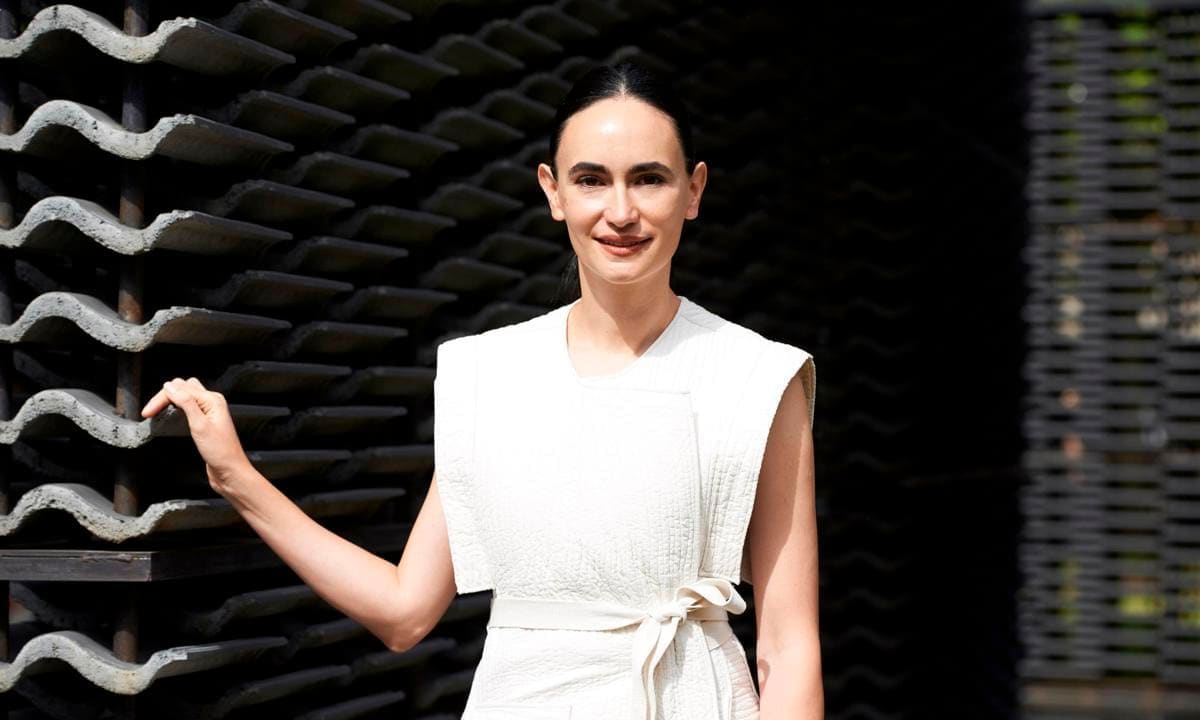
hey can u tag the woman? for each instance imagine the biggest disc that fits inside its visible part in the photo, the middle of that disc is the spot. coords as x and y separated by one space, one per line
609 469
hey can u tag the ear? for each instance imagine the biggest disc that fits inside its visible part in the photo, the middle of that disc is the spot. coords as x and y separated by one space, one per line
696 189
550 187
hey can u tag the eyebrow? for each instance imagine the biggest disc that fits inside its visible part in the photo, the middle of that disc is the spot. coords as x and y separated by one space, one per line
591 167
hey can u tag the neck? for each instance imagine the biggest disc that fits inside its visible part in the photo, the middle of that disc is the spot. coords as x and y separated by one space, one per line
620 319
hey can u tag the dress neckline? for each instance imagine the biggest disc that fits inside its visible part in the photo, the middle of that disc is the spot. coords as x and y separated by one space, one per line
565 353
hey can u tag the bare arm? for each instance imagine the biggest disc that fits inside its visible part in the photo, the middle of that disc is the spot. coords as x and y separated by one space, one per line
783 553
399 604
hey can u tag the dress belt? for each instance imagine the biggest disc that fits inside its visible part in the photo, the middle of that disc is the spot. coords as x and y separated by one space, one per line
706 599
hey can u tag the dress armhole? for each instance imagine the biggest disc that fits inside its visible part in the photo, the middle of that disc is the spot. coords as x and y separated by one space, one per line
454 398
745 445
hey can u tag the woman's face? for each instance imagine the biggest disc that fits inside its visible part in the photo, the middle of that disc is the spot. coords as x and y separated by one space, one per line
623 190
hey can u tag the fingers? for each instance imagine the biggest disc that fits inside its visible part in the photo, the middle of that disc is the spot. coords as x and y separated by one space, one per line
155 404
182 397
188 395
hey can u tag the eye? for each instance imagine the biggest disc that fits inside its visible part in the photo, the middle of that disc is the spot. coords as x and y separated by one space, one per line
652 179
588 181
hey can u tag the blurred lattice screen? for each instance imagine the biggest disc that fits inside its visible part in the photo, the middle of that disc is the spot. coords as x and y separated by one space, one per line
1110 611
296 201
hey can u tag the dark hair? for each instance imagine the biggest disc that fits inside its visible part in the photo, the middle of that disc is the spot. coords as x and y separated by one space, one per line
622 80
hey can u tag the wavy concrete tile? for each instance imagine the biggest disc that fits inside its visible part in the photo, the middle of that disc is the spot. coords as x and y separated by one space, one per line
344 91
403 69
250 605
183 137
329 421
186 43
339 174
284 28
382 302
270 289
386 661
255 692
356 15
45 412
308 636
97 664
471 130
49 613
358 707
461 274
337 338
517 40
387 224
280 116
327 255
266 377
54 223
396 146
472 57
279 465
44 316
383 382
468 203
390 460
94 512
268 201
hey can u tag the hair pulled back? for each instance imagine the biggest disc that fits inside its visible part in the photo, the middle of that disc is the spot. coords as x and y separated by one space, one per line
612 81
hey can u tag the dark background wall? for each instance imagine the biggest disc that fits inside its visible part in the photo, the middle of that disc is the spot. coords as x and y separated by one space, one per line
377 196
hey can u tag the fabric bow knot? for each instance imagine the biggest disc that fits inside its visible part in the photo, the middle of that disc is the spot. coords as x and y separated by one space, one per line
669 610
704 599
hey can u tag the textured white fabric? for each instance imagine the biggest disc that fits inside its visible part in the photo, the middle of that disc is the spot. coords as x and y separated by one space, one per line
617 489
704 600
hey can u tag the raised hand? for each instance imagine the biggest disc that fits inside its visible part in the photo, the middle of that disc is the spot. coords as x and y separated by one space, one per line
211 427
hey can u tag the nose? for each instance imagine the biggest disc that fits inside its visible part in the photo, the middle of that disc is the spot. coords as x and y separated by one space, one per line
621 210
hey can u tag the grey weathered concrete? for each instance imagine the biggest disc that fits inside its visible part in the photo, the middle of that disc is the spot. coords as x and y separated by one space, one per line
99 666
471 129
280 116
396 146
381 382
54 223
401 68
326 421
49 129
267 377
468 203
384 223
339 174
472 57
357 15
394 304
183 42
461 274
326 254
355 708
342 90
335 338
249 605
514 109
270 289
94 512
44 316
284 28
268 201
46 412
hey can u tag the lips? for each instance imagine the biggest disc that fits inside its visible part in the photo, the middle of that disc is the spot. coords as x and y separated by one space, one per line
622 241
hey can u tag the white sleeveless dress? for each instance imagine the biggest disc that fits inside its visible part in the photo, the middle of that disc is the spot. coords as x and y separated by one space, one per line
608 514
